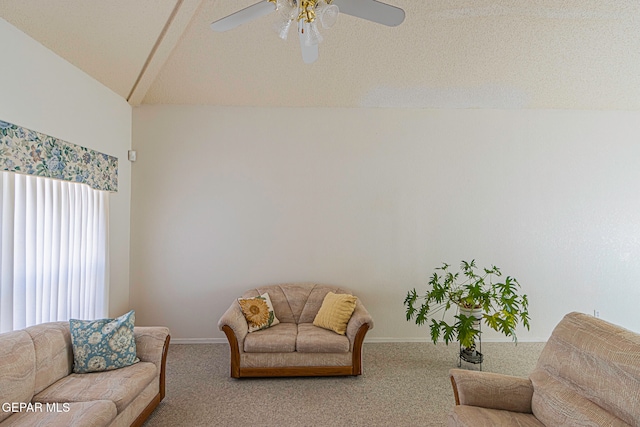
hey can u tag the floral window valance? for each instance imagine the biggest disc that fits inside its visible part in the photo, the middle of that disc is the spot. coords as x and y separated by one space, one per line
33 153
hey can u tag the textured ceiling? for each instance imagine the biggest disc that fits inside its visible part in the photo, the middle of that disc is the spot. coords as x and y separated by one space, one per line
576 54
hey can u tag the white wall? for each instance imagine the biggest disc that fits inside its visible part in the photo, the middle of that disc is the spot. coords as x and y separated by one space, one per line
229 198
41 91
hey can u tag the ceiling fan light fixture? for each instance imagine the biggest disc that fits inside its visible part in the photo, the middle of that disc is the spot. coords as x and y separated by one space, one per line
287 9
308 14
311 34
287 12
282 28
327 13
307 11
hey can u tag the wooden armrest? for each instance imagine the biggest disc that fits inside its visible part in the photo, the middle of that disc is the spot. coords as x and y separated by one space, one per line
235 320
359 318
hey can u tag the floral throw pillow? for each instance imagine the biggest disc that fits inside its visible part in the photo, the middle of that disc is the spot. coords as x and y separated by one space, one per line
103 345
259 312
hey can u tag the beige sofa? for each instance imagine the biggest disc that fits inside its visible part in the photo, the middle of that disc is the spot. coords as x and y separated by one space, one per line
588 374
295 347
38 388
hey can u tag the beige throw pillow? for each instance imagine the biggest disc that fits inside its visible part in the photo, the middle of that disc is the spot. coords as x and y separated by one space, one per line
259 312
335 312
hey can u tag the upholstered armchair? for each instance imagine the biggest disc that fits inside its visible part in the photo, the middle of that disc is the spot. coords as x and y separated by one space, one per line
588 374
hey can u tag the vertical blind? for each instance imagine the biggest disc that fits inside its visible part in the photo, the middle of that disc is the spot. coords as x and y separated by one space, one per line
53 251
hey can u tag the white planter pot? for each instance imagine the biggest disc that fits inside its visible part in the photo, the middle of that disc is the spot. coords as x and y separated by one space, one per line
475 312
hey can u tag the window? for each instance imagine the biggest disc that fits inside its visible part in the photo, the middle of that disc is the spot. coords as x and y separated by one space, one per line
53 251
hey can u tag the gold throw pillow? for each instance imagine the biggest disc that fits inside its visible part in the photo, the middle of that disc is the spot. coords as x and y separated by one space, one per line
335 312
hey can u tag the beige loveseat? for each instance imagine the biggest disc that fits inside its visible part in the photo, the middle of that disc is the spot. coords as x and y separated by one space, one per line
295 347
588 374
38 388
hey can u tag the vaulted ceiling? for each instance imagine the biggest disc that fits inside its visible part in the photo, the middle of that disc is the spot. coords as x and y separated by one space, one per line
577 54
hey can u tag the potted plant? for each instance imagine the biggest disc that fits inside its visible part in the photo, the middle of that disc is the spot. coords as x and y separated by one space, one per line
476 296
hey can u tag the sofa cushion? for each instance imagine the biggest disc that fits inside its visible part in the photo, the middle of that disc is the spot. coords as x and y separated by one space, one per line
474 416
103 345
120 386
556 403
258 312
312 339
315 300
296 302
288 300
17 369
98 413
335 312
295 359
277 339
54 356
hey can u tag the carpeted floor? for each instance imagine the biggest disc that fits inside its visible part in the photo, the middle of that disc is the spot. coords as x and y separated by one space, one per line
403 384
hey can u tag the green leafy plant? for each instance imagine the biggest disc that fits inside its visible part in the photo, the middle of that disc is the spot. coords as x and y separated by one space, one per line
500 302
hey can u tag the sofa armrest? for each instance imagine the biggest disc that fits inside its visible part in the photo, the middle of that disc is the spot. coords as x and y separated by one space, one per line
359 317
490 390
234 319
150 342
152 345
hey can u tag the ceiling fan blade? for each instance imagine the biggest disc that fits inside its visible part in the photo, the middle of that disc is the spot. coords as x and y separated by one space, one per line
245 15
309 53
372 10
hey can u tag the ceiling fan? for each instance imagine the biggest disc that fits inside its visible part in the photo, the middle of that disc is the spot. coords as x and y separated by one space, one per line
307 14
